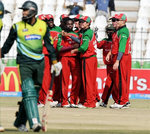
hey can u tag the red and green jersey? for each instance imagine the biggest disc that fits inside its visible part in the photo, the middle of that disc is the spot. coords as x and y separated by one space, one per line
66 42
121 41
54 32
88 44
106 45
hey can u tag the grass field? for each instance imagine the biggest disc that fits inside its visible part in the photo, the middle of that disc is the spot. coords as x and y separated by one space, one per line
135 120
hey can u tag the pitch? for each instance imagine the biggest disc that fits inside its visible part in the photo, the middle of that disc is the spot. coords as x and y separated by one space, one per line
135 120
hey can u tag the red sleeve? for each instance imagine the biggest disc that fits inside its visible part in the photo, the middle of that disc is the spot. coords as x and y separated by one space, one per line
100 44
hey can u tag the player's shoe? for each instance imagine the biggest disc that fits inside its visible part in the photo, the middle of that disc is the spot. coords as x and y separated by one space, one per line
73 106
37 127
102 104
81 106
53 103
40 105
116 106
97 104
127 105
2 129
66 106
22 128
58 105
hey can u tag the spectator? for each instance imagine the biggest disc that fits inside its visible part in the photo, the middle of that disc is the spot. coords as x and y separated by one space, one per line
111 7
89 1
102 7
75 8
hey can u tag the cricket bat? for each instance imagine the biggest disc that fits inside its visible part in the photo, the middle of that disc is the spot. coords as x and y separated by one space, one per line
46 106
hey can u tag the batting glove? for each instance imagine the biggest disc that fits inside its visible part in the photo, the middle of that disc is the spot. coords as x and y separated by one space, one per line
57 68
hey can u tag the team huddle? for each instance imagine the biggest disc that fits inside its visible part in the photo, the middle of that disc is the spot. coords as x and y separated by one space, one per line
68 49
78 60
76 50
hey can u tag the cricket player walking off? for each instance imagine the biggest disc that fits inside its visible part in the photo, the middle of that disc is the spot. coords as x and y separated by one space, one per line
29 34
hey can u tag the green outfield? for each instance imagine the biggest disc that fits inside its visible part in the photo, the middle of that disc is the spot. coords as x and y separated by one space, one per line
135 120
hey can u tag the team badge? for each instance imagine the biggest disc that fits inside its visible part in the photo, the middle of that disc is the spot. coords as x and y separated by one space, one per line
40 29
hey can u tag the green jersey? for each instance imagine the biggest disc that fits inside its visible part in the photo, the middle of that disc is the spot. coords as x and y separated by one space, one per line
121 41
29 41
88 44
123 35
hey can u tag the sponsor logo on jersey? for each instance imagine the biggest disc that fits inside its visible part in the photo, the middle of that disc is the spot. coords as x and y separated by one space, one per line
33 37
25 30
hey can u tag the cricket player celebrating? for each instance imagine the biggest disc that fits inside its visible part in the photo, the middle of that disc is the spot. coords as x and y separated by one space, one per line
54 31
121 54
29 34
71 65
89 62
106 45
76 23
